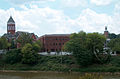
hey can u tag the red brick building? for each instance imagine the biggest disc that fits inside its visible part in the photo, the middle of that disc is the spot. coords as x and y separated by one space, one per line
54 42
13 35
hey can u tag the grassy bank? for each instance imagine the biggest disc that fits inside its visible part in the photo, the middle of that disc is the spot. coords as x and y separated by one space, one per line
63 63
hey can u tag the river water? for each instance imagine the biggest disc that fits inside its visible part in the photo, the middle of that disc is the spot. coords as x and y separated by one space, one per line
46 75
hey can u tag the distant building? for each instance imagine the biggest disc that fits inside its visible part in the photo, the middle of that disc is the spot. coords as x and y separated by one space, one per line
54 42
106 33
13 35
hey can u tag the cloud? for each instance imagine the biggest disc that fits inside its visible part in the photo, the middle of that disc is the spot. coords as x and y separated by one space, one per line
50 21
116 19
18 2
38 20
101 2
90 21
74 3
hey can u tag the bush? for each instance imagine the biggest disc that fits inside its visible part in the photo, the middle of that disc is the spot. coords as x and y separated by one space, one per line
29 56
115 61
13 56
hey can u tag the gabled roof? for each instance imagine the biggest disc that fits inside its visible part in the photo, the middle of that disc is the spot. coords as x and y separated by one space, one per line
57 35
11 19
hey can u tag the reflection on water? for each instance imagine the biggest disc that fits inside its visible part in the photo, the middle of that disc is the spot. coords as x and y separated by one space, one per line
45 75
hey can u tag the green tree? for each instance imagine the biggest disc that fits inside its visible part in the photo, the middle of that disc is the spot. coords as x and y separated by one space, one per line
37 45
13 44
4 43
13 56
95 43
114 44
112 36
24 38
87 48
29 55
78 48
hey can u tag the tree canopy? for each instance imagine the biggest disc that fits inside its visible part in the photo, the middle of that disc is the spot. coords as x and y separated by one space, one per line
86 47
114 44
4 43
24 38
29 55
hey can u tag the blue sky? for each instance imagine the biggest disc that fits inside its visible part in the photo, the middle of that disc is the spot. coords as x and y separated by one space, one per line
61 16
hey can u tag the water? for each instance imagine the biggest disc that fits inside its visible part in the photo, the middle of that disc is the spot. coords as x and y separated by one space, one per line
46 75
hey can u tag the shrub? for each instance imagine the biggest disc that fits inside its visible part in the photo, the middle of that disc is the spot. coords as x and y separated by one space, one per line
13 56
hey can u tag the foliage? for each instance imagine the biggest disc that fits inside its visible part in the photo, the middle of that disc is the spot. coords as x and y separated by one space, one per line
91 76
4 43
113 36
37 45
29 55
13 44
24 38
114 44
115 61
13 56
77 47
87 48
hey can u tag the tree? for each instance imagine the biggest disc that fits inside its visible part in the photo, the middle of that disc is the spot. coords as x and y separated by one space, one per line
4 43
13 44
78 48
24 38
37 45
13 56
86 48
112 36
29 55
95 43
114 44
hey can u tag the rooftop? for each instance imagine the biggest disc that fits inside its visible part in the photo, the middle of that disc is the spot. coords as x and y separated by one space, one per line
11 19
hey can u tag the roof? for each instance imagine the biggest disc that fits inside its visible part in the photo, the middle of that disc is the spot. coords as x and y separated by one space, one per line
17 34
57 35
11 19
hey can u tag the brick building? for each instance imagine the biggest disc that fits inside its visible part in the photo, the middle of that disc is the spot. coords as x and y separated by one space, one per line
12 35
54 42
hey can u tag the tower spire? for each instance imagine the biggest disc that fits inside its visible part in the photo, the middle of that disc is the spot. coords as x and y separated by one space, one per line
105 28
106 33
11 26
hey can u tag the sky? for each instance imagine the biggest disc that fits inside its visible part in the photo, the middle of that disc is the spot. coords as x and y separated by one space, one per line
61 16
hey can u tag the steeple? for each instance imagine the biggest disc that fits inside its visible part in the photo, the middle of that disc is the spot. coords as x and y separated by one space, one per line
105 28
11 20
11 26
106 33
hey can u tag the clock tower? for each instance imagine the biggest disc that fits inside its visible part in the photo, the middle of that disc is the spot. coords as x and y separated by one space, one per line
11 26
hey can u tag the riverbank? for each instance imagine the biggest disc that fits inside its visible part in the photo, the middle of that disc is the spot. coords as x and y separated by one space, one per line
62 64
101 73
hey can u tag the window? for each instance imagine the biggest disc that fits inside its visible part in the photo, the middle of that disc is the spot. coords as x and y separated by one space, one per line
56 44
59 43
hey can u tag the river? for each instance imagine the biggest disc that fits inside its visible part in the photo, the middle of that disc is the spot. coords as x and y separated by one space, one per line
46 75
